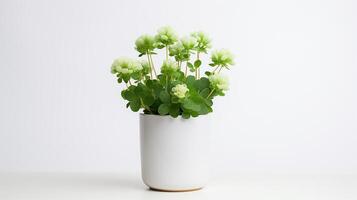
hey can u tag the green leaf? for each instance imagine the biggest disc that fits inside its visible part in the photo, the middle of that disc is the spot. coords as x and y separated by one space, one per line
141 90
194 114
126 78
174 110
185 115
190 105
135 105
208 102
190 65
190 81
175 99
208 73
164 96
197 63
148 100
204 109
163 109
202 83
136 75
205 92
120 80
128 95
155 86
127 105
212 64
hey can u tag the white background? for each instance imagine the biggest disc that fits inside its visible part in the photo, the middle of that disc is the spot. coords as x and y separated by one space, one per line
291 106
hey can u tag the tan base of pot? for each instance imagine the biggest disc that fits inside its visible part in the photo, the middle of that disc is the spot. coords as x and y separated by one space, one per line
163 190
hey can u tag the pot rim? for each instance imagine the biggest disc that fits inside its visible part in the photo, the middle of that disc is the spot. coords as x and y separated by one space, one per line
169 116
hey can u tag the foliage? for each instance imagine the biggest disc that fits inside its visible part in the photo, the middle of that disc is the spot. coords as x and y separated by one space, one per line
175 91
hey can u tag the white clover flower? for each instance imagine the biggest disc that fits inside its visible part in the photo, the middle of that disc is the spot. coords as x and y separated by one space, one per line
179 52
165 36
180 90
203 41
125 66
189 42
222 58
169 67
145 43
219 82
176 49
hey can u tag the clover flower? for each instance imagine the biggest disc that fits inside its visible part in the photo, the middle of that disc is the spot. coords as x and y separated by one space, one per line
165 36
125 66
180 90
176 49
169 66
179 52
222 58
189 42
219 82
145 43
203 41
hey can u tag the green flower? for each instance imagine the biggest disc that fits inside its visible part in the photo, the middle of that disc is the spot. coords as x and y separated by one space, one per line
180 90
189 42
125 66
168 67
219 82
165 36
144 44
176 49
179 52
222 58
203 41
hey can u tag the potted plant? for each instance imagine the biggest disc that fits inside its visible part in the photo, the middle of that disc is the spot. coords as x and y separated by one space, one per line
175 100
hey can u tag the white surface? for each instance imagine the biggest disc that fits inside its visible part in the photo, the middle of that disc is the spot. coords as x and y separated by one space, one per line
291 107
116 186
175 152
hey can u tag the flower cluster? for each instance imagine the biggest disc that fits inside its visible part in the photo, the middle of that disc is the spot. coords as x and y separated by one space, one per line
125 66
219 82
174 91
180 90
145 44
169 66
203 41
189 42
165 36
222 58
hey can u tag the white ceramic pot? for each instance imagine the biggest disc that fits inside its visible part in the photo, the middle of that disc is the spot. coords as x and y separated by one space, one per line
174 152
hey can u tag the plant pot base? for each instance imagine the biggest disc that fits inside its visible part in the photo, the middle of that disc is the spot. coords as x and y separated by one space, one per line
164 190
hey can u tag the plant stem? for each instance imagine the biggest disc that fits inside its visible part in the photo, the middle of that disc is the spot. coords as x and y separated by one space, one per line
167 53
143 105
130 83
147 53
215 69
179 64
198 69
210 93
167 83
152 63
186 69
220 69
